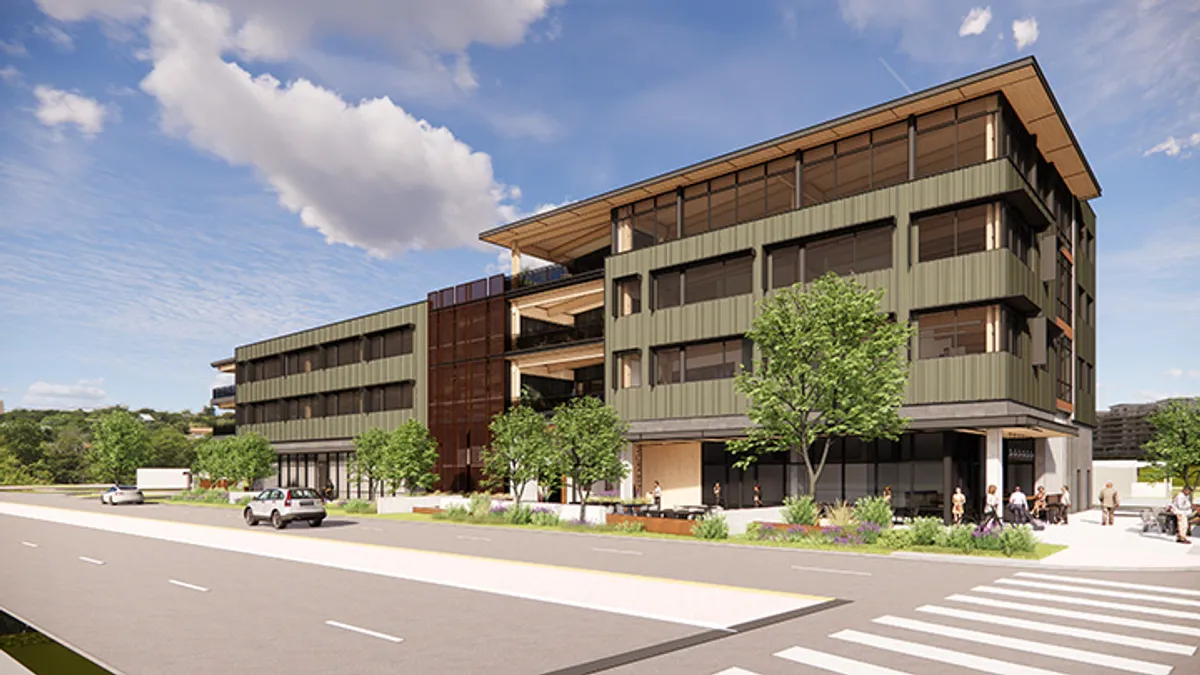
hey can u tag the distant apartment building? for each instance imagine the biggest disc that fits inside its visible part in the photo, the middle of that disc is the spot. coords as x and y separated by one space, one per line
967 203
1123 430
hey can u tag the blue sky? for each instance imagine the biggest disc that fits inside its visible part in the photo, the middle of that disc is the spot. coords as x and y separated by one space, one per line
182 176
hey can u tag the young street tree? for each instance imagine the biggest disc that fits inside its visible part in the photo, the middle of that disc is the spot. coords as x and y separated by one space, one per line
520 451
588 437
409 457
119 445
370 451
1175 445
251 457
832 365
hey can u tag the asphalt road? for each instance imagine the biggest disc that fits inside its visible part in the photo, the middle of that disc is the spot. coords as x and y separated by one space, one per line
259 612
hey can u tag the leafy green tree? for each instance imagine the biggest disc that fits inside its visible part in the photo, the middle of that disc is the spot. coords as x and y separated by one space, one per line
12 472
370 452
410 456
25 438
214 459
832 365
119 446
1175 445
520 451
170 448
587 439
66 456
251 458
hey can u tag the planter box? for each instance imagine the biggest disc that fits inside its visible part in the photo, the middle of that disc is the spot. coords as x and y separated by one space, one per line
657 525
428 509
808 529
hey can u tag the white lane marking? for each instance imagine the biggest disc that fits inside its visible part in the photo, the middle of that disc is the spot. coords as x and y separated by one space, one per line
1087 602
187 585
1056 629
91 560
981 663
30 544
1102 592
374 529
618 551
834 663
472 538
831 571
1092 617
364 631
699 604
1109 584
1030 646
736 671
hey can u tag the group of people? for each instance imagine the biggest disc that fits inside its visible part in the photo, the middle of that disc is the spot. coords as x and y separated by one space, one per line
1018 505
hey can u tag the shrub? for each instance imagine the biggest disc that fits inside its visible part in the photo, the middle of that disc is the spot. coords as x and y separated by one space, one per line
987 539
481 504
498 512
215 497
544 517
869 532
840 514
841 536
630 526
1018 539
755 531
245 501
958 537
520 515
359 506
712 526
800 510
896 539
925 530
456 512
874 510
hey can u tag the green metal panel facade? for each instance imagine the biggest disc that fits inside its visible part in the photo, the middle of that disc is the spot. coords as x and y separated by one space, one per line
1085 326
990 275
407 367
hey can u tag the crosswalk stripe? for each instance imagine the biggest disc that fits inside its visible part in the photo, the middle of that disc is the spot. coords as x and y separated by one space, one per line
992 603
1056 629
1030 646
1109 584
1102 592
736 671
834 663
1087 602
980 663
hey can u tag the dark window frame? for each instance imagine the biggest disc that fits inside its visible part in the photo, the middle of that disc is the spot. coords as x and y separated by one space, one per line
618 284
799 248
743 353
680 272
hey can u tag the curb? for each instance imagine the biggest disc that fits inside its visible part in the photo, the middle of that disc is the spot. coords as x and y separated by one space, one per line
1042 564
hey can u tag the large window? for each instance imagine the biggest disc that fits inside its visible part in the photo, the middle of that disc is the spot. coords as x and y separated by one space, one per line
958 232
398 341
629 296
698 282
969 330
696 362
868 161
397 396
654 220
854 253
1062 347
1063 283
629 369
956 137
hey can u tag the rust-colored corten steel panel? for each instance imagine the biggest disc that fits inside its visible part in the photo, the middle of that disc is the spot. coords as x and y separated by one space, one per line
467 376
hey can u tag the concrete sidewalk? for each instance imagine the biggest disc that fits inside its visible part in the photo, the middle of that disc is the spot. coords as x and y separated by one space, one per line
1117 547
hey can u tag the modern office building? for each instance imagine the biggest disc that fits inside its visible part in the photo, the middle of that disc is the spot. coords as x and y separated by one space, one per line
967 203
1123 430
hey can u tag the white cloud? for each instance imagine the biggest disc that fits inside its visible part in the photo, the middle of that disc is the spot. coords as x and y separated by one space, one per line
503 264
13 48
365 174
10 74
1025 32
83 394
1175 372
976 21
1194 373
1173 146
222 380
56 36
57 107
534 125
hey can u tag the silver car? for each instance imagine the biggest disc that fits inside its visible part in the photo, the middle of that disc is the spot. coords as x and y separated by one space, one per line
122 494
283 505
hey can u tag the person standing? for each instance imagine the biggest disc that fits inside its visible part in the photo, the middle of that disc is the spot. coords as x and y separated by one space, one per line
1039 502
1066 504
757 496
1182 506
991 508
1019 504
1109 501
957 503
657 496
717 494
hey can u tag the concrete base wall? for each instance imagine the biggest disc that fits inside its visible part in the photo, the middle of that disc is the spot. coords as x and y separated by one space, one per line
738 519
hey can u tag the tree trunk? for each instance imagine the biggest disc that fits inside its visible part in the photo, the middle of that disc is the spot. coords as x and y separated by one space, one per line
583 506
814 475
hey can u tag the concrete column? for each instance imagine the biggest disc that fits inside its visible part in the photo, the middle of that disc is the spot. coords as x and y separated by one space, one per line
1052 463
993 473
514 386
627 481
514 324
515 259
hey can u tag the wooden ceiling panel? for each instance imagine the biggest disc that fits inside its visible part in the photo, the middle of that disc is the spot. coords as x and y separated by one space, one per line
973 89
926 104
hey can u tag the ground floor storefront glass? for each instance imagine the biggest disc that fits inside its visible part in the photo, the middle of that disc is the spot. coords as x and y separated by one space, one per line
326 472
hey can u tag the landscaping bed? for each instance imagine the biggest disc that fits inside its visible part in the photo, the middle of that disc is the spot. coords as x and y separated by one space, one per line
657 525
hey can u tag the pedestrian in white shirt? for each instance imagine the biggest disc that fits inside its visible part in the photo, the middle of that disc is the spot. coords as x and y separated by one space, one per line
1066 504
1019 504
1182 506
991 508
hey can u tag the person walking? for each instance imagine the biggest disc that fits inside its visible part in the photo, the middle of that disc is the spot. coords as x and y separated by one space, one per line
958 501
991 508
757 496
1066 504
1182 507
1019 504
1109 501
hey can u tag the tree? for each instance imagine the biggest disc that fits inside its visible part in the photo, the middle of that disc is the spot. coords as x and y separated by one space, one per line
119 445
251 457
213 459
370 450
520 451
1175 445
170 448
409 457
25 438
12 472
66 456
587 439
832 365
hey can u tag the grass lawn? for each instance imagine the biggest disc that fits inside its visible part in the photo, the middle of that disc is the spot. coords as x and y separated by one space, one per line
42 655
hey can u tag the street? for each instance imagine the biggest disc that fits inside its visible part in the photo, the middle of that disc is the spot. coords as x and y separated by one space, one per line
372 595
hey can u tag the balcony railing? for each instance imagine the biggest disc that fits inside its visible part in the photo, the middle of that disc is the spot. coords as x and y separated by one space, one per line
227 391
564 335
